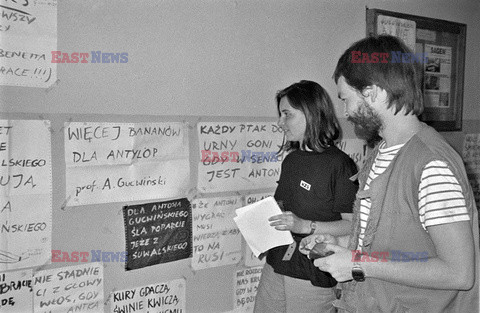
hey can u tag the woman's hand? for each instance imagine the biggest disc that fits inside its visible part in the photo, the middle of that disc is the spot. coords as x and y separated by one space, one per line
289 221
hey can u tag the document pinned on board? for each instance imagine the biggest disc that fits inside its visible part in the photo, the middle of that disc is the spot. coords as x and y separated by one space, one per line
252 220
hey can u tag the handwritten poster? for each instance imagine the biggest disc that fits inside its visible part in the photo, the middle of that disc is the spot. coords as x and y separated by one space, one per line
356 149
69 289
246 284
398 27
216 238
117 162
238 156
471 158
28 32
157 232
25 193
156 298
250 258
16 292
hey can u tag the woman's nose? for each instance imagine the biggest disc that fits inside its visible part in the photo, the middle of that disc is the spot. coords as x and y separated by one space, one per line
280 123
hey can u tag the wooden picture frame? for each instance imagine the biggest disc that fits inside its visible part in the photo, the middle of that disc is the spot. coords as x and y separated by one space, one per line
442 46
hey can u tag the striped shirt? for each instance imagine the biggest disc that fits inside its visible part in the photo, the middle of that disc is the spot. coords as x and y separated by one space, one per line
440 195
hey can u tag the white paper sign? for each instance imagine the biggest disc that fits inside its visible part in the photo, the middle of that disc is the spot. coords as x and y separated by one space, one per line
156 298
117 162
238 156
246 285
28 32
69 289
216 238
25 193
16 292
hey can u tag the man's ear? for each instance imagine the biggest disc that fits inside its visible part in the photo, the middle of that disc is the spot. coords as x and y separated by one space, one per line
370 92
373 93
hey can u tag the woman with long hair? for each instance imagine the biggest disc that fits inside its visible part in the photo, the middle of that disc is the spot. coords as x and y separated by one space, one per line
317 189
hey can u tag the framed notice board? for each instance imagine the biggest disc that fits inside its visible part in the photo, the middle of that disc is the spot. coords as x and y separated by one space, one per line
440 45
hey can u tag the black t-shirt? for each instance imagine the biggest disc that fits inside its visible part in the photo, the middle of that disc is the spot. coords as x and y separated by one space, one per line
318 187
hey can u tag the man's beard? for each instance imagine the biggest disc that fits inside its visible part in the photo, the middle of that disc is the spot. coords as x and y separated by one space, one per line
367 124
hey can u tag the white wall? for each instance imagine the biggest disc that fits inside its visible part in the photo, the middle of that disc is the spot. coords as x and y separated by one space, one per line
215 57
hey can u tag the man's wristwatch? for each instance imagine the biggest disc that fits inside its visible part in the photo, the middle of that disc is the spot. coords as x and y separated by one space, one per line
313 226
357 271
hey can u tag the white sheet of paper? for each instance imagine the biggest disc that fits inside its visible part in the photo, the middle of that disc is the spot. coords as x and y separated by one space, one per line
252 220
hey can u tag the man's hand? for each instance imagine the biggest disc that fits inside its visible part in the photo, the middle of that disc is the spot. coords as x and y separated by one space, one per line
308 242
339 264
